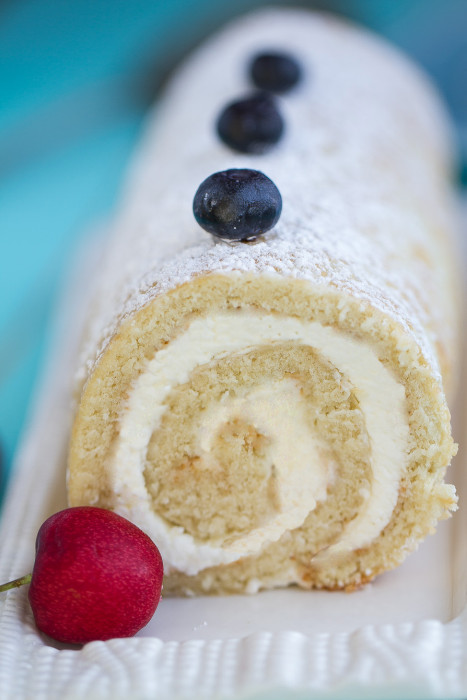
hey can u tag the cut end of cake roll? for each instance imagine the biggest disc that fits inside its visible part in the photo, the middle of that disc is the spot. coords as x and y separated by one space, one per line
271 433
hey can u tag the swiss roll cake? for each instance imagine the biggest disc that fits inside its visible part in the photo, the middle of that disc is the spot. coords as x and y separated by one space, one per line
274 332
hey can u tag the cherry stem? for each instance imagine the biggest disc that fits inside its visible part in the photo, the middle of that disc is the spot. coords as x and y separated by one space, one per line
16 583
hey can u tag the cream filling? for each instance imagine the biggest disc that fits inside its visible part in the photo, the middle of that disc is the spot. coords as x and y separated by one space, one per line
276 410
380 395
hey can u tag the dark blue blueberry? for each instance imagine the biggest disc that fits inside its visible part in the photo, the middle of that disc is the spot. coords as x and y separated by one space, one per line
277 72
251 125
237 204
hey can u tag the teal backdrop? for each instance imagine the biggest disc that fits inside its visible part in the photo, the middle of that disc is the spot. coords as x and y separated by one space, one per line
76 79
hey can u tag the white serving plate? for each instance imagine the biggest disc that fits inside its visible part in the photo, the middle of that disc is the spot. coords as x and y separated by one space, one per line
404 636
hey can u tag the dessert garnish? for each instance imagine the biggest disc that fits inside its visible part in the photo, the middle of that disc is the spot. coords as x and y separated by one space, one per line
251 125
96 576
237 204
275 71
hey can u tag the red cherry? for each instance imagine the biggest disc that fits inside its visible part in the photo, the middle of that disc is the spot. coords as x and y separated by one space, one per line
96 576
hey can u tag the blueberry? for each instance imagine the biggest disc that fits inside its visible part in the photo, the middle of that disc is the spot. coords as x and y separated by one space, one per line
251 125
237 204
277 72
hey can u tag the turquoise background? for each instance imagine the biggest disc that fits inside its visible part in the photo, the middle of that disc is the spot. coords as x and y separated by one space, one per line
76 78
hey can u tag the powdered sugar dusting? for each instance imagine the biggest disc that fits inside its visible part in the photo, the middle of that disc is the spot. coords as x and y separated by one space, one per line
361 170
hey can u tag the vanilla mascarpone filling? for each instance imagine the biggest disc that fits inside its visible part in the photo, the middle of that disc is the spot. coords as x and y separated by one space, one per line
275 409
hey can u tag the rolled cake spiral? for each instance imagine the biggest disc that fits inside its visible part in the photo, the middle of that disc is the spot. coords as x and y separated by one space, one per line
274 412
